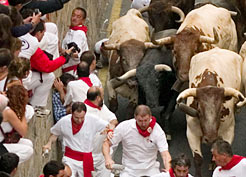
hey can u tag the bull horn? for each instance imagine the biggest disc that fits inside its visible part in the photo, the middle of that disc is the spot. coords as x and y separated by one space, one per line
188 110
127 75
179 12
150 45
244 34
163 41
143 9
186 93
115 83
210 40
233 13
236 94
162 67
110 46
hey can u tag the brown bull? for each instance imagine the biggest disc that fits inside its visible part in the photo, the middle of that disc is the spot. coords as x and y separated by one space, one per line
211 99
128 41
203 29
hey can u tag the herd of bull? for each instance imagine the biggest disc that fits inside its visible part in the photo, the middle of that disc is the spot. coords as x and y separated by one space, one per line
190 59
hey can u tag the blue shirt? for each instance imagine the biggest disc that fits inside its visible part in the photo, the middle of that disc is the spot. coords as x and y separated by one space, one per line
58 109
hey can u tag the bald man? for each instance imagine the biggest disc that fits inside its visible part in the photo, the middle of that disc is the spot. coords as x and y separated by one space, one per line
95 106
141 139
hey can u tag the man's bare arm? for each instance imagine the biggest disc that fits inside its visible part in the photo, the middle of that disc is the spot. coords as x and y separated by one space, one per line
106 152
52 139
166 158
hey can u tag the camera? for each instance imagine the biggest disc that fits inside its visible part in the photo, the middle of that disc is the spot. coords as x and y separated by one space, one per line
36 11
75 47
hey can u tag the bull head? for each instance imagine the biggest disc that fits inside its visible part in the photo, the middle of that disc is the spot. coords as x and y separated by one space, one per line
186 44
161 15
173 9
208 107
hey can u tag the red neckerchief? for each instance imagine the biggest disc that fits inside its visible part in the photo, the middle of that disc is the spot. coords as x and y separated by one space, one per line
80 27
234 161
76 127
172 173
148 131
87 80
89 103
41 176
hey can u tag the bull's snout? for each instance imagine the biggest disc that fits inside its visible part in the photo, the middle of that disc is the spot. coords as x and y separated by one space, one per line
132 83
208 140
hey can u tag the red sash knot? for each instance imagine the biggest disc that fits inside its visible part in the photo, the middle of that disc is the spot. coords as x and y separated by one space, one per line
86 157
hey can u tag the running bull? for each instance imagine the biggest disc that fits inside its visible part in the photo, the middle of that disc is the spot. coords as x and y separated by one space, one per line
211 99
128 41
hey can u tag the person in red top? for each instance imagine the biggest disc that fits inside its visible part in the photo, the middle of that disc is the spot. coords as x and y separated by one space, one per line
42 78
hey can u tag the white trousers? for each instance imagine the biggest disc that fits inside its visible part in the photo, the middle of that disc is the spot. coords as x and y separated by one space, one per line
75 165
127 172
24 149
40 90
99 166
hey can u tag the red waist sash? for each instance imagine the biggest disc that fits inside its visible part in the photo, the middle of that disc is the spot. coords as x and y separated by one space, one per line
69 68
86 157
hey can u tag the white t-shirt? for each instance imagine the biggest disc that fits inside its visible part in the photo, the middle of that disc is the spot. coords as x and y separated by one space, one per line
49 43
166 174
29 45
83 140
103 114
95 80
80 39
76 91
238 170
139 152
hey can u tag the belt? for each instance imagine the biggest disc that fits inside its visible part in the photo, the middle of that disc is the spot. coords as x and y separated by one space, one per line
86 157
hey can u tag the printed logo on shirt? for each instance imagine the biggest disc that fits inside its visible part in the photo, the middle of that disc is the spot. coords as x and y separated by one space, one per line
149 130
25 44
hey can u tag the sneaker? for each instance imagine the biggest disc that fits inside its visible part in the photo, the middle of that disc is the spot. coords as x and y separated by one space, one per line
99 64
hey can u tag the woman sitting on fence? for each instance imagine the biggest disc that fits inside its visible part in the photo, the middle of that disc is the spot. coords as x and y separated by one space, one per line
14 126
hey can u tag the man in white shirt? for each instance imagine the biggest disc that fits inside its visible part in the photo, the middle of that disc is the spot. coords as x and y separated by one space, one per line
95 106
90 58
180 167
141 139
76 34
77 90
77 130
228 165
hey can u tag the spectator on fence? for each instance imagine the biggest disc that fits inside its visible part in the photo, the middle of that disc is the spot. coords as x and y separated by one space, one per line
14 126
